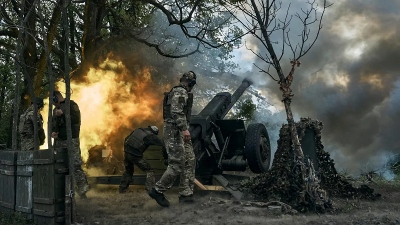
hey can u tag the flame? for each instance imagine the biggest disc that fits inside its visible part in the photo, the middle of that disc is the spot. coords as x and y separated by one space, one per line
113 102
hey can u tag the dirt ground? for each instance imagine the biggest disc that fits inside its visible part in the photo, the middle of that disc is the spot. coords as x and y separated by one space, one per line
106 206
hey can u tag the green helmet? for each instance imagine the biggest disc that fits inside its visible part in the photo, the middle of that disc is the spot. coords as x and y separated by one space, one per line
189 77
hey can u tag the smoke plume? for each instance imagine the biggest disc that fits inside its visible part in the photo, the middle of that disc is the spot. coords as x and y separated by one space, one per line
350 81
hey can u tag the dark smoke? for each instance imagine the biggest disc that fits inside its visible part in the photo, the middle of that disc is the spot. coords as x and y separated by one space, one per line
359 46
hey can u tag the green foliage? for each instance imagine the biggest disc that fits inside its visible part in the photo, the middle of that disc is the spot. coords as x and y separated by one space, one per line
129 15
396 168
246 110
210 31
7 87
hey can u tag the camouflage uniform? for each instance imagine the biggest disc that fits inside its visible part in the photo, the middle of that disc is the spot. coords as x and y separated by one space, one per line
135 145
26 129
181 158
59 125
76 159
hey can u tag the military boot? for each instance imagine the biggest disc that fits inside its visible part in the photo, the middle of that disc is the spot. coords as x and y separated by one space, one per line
159 197
186 199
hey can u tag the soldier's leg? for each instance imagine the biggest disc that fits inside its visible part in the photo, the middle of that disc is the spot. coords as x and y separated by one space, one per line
79 174
27 144
142 164
173 139
128 173
186 184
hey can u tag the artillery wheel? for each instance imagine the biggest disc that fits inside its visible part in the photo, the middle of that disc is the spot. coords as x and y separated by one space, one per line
257 148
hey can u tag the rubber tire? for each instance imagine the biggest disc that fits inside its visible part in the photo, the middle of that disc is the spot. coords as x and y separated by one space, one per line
257 148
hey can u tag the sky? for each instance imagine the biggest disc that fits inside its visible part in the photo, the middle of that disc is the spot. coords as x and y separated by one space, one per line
350 80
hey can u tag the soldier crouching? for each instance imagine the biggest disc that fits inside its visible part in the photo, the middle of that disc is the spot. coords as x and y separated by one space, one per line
135 145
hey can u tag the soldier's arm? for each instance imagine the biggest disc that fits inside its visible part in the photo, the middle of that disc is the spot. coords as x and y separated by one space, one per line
41 134
155 140
75 113
54 125
30 124
179 99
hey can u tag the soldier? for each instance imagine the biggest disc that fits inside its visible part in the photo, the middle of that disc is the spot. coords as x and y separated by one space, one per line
177 107
135 145
59 133
26 126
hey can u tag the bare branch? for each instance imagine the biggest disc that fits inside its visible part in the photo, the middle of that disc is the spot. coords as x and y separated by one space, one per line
264 71
161 52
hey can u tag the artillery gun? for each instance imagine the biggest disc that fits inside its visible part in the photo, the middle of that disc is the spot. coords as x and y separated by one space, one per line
225 144
219 144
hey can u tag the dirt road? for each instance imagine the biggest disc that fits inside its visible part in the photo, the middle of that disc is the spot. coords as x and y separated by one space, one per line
106 206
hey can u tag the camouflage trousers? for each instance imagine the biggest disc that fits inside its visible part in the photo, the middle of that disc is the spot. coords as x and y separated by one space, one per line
181 162
27 144
131 160
74 155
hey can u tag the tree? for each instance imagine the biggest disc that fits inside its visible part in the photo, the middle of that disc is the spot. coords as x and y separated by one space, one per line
246 109
7 81
277 40
174 29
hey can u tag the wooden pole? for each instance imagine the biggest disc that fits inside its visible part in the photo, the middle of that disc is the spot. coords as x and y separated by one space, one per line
199 184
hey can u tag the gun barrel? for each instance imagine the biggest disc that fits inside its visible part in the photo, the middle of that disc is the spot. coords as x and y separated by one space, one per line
236 95
216 109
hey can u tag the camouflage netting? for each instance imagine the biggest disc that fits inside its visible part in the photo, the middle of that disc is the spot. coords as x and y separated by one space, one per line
282 183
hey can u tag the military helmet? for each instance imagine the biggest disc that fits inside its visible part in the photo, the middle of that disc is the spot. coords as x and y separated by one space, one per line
39 102
154 129
190 77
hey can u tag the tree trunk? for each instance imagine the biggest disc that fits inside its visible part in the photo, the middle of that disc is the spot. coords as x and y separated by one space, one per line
2 94
287 92
18 53
94 14
95 11
50 77
29 48
47 48
67 101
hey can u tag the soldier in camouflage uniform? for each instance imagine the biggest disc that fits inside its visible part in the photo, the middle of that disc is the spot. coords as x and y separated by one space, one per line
59 133
135 145
26 126
177 108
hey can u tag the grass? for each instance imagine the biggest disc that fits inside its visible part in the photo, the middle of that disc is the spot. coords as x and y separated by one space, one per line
14 219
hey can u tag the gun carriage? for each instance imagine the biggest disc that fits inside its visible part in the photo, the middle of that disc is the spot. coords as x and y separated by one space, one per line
225 144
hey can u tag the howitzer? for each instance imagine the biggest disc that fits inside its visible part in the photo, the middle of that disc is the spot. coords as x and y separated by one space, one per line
225 145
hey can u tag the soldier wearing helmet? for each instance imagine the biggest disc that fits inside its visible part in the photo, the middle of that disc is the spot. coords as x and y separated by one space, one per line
177 107
59 133
26 126
135 145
